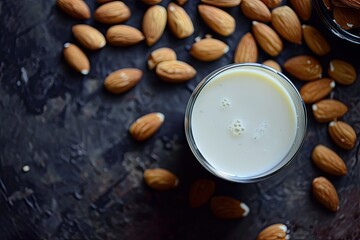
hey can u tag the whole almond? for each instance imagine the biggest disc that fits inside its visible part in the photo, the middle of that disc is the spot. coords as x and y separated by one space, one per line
246 50
123 35
154 23
175 71
287 24
88 36
325 193
222 3
304 67
328 161
315 40
342 134
342 72
208 49
112 13
151 2
347 18
160 179
122 80
327 110
267 38
181 2
200 192
273 64
228 208
75 8
302 8
255 10
314 91
160 55
276 231
179 21
76 58
218 20
146 126
272 3
352 3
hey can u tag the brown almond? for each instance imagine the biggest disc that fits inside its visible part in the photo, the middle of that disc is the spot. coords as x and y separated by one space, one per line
181 2
267 38
302 8
179 21
228 208
175 71
218 20
146 126
246 50
76 58
122 80
123 35
342 134
222 3
112 13
272 3
315 40
154 23
325 192
273 64
342 72
328 161
351 3
151 2
200 192
304 67
276 231
75 8
347 18
160 179
314 91
287 24
255 10
327 110
208 49
88 36
160 55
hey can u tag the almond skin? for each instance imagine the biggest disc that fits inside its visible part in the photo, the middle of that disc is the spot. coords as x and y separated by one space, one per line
160 179
255 10
151 2
304 67
208 49
122 80
342 134
222 3
179 21
347 18
328 161
314 91
287 24
273 64
218 20
327 110
228 208
200 192
88 36
325 193
76 58
342 72
146 126
75 8
302 8
276 231
154 23
112 13
272 3
175 71
160 55
315 40
267 38
123 35
246 50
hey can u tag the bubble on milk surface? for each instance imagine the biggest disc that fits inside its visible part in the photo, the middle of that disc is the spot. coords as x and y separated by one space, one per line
260 130
236 127
225 103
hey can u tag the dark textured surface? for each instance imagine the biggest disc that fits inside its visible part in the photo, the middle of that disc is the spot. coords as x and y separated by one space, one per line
85 178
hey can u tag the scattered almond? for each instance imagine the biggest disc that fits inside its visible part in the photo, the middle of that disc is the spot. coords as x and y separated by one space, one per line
76 58
304 67
146 126
272 3
302 8
246 50
228 208
179 21
160 55
151 2
75 8
88 36
347 18
315 40
112 13
122 80
276 231
160 179
208 49
175 71
123 35
287 24
273 64
325 193
328 110
267 38
181 2
255 10
154 23
200 192
342 72
222 3
314 91
328 161
342 134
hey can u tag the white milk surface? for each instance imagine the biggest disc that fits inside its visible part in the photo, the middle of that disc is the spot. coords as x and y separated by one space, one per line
244 122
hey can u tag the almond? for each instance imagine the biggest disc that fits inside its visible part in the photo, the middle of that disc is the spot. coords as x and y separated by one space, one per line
338 3
181 2
351 3
304 67
76 58
267 38
246 50
112 13
302 8
276 231
255 10
347 18
315 40
342 134
222 3
208 49
287 24
218 20
316 90
328 161
179 21
154 23
228 208
200 192
123 35
325 193
122 80
328 110
160 55
88 36
151 2
175 71
146 126
272 3
75 8
160 179
342 72
273 64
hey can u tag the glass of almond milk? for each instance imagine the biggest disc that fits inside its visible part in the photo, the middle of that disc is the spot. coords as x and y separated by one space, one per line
245 122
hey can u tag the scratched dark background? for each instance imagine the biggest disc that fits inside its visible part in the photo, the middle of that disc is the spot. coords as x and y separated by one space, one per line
85 179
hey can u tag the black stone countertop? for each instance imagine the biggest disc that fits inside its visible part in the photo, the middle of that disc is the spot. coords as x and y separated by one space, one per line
85 177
